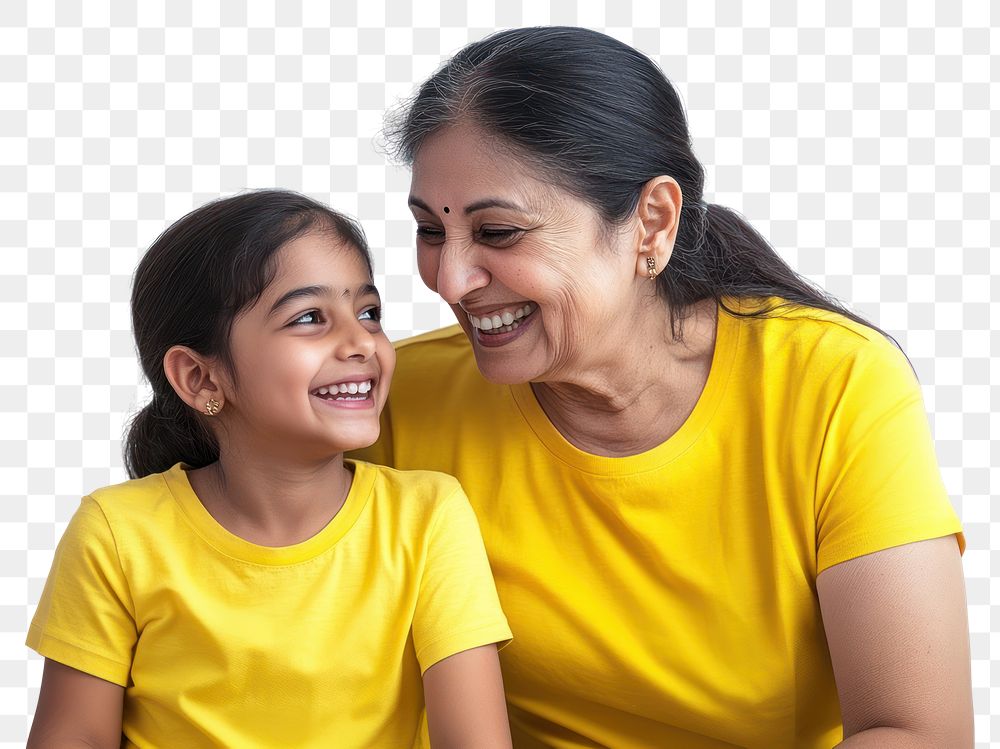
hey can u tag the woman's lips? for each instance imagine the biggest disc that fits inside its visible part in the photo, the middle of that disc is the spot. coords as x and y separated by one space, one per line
507 333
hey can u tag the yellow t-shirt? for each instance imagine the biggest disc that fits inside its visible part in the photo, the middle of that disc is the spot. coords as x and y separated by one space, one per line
668 598
221 642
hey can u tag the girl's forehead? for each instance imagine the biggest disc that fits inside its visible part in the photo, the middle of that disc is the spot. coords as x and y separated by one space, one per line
318 258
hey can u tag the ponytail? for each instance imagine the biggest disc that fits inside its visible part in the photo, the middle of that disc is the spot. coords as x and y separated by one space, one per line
719 255
166 432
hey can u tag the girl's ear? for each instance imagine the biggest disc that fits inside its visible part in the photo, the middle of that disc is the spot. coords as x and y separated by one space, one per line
194 378
659 212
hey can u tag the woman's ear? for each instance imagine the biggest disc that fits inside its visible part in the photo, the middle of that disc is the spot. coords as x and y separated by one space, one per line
659 212
195 379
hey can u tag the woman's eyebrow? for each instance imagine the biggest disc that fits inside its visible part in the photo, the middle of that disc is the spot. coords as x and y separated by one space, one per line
479 205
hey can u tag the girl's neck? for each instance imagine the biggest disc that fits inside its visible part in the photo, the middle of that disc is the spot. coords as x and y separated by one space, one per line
271 504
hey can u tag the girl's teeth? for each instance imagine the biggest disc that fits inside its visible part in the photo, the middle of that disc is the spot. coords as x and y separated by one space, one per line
347 388
507 318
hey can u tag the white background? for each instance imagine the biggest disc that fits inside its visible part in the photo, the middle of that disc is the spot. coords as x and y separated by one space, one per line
858 136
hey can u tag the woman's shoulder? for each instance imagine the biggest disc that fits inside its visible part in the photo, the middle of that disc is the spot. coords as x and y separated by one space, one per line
446 347
436 370
807 339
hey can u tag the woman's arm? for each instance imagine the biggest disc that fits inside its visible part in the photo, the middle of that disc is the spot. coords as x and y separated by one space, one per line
465 701
897 627
76 710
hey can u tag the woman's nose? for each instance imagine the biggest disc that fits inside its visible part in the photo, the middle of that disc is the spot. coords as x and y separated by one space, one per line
459 272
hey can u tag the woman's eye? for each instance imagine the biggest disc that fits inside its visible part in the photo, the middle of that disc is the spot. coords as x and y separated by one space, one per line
430 234
308 318
372 313
498 237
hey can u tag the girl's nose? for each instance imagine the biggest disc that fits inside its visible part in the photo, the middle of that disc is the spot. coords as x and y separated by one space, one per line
357 343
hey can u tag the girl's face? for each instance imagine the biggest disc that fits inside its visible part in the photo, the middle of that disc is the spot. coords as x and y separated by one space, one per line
540 289
312 364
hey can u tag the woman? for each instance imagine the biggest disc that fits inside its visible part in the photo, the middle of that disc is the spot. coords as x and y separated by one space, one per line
708 492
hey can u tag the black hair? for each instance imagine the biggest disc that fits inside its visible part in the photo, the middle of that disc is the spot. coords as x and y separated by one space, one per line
600 119
188 289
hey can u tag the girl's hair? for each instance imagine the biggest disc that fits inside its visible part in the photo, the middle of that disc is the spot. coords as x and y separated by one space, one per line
600 119
188 289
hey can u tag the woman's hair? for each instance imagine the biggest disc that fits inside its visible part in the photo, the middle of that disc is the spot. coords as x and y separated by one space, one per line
600 119
189 288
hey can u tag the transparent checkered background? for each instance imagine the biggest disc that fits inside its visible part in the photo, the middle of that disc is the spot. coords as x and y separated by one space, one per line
858 136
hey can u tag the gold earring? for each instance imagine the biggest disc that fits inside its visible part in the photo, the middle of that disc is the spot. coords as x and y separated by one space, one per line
651 266
212 407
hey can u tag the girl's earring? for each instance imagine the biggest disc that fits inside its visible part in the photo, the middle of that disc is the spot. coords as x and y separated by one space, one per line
212 407
651 266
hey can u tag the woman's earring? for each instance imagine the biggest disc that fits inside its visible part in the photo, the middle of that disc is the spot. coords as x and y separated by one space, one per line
651 266
212 407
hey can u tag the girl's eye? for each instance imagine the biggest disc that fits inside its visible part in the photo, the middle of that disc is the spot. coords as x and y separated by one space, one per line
372 313
308 318
497 236
430 234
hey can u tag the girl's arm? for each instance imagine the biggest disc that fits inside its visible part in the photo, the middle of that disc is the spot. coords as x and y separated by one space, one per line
465 701
898 632
76 709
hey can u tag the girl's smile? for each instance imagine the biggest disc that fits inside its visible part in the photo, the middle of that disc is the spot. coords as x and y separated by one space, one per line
312 363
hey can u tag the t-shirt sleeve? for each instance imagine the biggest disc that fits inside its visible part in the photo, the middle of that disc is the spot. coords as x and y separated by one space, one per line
878 484
457 605
85 617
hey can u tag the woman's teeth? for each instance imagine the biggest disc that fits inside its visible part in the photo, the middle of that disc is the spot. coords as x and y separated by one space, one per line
503 322
345 390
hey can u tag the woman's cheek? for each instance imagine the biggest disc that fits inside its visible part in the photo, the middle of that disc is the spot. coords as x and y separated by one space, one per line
427 266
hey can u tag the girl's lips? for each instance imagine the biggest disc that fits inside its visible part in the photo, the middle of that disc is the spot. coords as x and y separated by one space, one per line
348 401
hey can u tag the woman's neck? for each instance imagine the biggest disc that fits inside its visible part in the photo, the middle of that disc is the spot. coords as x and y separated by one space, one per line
605 412
270 504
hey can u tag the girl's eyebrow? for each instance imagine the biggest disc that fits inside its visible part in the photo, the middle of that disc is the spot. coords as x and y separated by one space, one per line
364 289
303 291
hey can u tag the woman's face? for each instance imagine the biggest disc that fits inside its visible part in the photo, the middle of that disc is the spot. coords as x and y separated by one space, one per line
535 281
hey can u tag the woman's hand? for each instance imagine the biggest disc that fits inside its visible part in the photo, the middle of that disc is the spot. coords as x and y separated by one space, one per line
465 701
76 710
897 627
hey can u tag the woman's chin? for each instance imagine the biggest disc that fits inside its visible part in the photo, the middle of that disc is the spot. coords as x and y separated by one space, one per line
504 370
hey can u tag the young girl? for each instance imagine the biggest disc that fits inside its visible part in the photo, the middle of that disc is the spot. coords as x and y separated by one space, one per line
249 587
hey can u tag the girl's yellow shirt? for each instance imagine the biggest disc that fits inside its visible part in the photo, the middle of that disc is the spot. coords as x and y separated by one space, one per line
221 642
668 599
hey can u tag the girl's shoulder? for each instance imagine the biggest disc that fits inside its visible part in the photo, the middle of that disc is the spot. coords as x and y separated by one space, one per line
412 498
420 485
138 506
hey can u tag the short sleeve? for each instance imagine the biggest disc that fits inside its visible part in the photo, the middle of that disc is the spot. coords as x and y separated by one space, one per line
85 618
878 484
457 605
